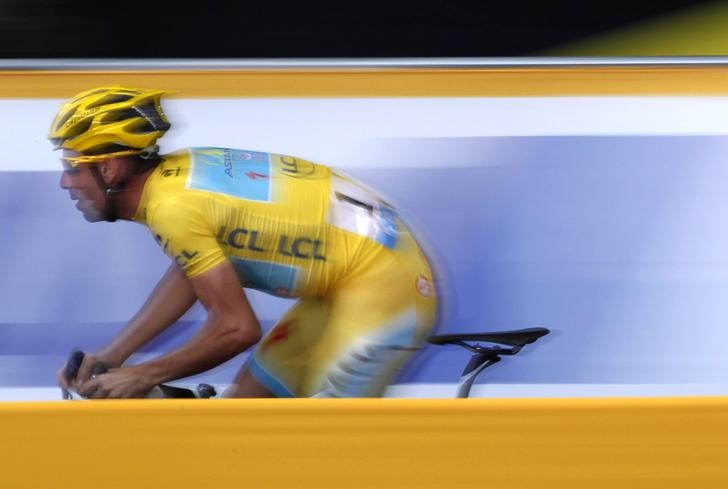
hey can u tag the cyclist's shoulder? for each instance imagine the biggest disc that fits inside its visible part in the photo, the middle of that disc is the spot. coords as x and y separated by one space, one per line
167 188
216 154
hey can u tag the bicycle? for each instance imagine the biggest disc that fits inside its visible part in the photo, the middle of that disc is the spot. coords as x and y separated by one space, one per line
507 343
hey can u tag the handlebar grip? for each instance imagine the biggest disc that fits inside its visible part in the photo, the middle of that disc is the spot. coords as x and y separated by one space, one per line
73 365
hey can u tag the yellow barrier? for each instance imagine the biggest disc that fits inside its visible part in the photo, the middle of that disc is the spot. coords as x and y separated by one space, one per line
378 443
383 82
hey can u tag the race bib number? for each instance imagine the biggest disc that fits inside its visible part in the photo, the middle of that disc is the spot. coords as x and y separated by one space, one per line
359 210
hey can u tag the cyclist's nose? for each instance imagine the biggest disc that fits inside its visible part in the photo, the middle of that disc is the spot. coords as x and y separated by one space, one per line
65 181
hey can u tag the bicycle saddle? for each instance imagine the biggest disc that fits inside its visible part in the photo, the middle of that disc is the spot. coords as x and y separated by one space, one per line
517 337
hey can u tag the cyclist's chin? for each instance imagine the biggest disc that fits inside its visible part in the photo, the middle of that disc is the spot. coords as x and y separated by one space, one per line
94 218
90 213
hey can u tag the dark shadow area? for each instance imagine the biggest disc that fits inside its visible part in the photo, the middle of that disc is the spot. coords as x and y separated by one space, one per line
215 29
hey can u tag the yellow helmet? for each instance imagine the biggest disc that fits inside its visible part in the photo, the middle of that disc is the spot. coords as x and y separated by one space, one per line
110 120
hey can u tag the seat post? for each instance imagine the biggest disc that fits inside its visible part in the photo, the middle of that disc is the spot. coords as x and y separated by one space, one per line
478 363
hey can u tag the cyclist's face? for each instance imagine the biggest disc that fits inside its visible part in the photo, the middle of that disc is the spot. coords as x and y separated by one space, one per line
84 188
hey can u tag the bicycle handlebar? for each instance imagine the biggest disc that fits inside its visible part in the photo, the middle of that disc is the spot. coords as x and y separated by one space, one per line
75 359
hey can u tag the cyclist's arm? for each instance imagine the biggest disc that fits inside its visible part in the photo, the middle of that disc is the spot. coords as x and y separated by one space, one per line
184 229
231 327
170 299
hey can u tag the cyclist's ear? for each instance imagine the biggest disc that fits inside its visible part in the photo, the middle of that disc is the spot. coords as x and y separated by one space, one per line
115 170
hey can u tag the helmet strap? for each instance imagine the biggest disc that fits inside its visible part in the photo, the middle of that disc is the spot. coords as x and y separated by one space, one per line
110 208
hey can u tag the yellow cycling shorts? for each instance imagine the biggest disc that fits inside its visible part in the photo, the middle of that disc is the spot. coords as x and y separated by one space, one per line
353 341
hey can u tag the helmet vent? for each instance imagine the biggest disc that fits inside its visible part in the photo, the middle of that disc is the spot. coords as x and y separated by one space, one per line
77 129
65 118
109 99
120 115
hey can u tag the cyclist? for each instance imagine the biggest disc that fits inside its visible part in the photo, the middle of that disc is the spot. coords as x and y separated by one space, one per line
232 219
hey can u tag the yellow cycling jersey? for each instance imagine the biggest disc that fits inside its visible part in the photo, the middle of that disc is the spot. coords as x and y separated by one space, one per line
289 227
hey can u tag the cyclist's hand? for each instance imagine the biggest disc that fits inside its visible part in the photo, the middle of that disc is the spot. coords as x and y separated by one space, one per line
85 372
118 383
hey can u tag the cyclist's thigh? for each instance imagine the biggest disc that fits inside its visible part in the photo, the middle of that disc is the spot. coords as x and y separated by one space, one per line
281 359
375 324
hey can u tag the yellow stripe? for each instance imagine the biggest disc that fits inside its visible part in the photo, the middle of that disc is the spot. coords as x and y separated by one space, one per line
694 30
495 82
527 443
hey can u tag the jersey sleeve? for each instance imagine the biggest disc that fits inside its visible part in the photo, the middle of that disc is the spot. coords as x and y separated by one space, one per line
185 236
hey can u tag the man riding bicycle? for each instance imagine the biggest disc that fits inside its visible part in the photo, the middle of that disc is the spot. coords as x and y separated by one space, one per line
232 219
